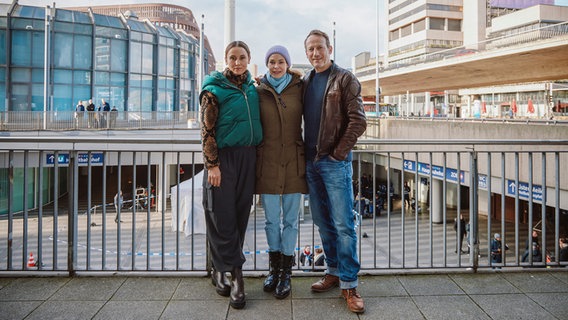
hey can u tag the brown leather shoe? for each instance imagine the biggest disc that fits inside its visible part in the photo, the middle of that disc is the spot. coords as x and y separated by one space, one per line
326 283
354 301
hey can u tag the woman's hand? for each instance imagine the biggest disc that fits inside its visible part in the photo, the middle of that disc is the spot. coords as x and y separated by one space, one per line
214 176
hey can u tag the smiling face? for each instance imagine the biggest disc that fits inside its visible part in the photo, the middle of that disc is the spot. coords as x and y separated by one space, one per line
277 65
318 52
237 60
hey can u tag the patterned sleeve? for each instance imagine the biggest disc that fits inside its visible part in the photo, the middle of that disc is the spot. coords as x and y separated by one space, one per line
209 113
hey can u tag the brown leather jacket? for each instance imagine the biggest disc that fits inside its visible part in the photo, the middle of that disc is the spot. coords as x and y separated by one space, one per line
343 117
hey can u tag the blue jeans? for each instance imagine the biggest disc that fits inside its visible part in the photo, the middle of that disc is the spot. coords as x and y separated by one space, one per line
331 203
289 204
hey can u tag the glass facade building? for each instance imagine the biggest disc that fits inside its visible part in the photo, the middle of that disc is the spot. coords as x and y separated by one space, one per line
61 56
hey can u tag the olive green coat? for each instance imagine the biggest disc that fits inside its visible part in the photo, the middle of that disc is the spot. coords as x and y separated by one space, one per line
280 161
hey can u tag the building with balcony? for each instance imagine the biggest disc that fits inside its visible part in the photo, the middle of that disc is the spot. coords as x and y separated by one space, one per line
424 31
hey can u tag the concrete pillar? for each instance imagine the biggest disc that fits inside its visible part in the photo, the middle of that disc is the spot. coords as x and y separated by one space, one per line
437 202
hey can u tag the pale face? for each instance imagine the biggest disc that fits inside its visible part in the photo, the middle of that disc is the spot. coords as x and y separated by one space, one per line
318 53
237 60
277 65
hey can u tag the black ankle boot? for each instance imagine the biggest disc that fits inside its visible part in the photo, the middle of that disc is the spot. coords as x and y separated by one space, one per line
284 286
238 299
221 283
272 279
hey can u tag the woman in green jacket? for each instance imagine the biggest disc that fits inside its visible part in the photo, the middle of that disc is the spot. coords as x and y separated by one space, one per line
230 132
280 171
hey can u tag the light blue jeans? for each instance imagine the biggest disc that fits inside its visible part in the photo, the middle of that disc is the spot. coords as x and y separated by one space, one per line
281 239
331 203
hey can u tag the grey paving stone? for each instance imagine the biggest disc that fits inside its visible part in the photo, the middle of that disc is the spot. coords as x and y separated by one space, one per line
536 282
390 308
321 308
90 288
131 310
196 289
262 309
555 303
15 310
32 288
192 309
147 289
483 284
511 306
380 286
63 310
449 307
429 285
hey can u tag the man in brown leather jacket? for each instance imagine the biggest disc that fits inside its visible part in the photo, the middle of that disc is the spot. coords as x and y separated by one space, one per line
334 118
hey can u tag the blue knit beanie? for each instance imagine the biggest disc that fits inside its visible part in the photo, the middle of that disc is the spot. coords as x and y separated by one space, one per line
280 50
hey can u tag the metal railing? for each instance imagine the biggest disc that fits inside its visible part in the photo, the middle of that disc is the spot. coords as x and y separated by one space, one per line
96 120
487 182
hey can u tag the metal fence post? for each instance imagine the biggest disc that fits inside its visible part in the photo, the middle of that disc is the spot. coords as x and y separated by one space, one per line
73 207
474 209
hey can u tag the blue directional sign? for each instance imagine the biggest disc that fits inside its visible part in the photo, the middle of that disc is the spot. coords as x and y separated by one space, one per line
523 190
437 171
63 158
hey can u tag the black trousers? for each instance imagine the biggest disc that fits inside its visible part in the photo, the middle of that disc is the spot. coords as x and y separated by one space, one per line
227 207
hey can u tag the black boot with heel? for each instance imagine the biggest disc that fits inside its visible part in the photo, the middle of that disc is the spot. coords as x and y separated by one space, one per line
284 286
238 299
221 283
272 279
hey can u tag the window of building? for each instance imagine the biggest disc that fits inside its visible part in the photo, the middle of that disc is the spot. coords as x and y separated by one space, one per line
454 25
420 25
393 35
406 31
437 23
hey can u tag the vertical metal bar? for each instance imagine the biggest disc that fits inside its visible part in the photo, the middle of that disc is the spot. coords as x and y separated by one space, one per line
543 211
376 212
104 220
55 209
458 193
193 210
25 209
133 222
148 216
359 209
72 169
163 193
177 208
10 248
40 211
431 202
503 198
104 197
474 183
474 242
557 205
445 211
118 217
89 216
530 217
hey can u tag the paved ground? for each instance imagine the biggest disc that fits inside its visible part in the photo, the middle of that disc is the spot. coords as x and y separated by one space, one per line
541 294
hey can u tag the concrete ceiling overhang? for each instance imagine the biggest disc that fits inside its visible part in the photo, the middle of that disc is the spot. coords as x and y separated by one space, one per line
543 60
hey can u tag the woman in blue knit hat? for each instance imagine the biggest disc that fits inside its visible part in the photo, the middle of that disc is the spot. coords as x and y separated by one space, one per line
280 165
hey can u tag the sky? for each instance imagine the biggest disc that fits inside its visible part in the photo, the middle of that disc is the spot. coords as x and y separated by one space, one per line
264 23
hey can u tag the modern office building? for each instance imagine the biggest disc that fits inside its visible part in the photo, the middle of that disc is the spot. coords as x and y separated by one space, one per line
420 30
50 58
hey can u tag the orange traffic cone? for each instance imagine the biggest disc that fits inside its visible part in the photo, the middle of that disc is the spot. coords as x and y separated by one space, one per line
31 261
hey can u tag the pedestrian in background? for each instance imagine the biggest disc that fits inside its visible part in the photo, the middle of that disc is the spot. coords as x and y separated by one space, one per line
281 166
460 229
91 114
230 132
334 118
